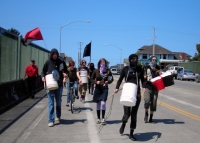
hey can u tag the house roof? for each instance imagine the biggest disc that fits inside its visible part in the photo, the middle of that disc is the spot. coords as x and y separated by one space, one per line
181 56
149 50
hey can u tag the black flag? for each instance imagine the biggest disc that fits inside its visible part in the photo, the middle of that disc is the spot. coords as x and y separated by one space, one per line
87 50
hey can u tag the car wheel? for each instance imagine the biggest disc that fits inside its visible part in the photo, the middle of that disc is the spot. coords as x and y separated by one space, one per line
197 81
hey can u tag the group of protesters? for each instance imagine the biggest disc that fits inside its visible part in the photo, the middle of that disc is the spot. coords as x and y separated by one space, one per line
97 85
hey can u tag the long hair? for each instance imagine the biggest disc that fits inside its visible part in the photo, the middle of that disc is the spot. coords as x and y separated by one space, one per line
71 63
99 63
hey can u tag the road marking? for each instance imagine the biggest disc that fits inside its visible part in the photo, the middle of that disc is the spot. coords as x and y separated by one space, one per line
179 101
23 137
91 127
185 89
195 117
35 123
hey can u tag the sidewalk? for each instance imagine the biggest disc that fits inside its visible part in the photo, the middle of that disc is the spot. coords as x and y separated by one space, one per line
12 115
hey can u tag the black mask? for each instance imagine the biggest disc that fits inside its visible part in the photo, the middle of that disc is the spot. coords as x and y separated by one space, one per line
133 64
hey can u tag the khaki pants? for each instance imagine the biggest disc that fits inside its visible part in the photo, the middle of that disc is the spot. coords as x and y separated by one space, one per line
83 89
150 99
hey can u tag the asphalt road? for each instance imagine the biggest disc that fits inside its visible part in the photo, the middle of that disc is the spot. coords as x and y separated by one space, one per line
177 120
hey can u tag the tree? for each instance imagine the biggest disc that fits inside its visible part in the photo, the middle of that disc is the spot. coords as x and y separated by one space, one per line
197 55
14 31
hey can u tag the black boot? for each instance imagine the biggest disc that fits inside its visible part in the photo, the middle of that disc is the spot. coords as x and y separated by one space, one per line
121 130
131 135
151 118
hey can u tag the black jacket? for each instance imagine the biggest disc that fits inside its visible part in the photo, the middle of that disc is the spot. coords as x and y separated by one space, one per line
129 75
52 64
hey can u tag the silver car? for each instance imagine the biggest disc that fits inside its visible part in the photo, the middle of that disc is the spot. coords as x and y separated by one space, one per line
186 74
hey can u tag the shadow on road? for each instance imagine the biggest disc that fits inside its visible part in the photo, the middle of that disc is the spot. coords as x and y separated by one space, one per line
67 122
146 136
113 122
167 121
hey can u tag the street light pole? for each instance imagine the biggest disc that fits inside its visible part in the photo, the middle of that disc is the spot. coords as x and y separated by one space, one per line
88 21
120 53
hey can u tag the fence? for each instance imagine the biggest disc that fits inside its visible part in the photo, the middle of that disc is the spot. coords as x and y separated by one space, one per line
14 57
194 66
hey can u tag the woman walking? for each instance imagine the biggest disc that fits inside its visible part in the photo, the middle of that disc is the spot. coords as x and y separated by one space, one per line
132 74
101 77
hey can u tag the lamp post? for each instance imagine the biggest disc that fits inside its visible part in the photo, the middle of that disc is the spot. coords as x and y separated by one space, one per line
120 53
88 21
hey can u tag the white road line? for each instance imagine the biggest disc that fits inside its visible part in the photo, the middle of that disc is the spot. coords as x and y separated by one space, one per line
35 123
91 127
23 137
180 101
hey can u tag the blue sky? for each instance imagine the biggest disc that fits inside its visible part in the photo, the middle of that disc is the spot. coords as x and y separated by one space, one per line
126 24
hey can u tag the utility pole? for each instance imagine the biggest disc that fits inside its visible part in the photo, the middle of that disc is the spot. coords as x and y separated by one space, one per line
80 43
153 41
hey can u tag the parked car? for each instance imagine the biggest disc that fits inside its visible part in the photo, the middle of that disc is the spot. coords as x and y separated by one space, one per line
186 74
113 71
118 72
174 70
197 78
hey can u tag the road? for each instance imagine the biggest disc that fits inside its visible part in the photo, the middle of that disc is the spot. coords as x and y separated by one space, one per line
177 120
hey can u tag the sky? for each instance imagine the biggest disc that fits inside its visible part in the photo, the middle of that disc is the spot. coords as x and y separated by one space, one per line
121 24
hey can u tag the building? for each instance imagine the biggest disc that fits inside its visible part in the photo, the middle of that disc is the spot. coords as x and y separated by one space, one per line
165 57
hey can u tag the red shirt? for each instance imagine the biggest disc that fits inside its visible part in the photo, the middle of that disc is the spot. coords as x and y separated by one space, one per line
31 70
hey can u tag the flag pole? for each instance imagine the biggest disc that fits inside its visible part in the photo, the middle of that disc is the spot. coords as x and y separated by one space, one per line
45 44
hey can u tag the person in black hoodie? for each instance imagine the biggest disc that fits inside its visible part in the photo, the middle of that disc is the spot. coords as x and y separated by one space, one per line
52 66
131 74
90 84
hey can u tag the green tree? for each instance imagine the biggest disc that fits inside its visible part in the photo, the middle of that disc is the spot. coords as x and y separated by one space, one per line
14 31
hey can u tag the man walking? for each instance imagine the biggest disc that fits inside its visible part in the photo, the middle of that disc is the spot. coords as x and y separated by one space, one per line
56 67
32 72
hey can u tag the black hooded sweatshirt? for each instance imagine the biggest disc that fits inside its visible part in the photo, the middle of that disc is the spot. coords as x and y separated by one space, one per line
52 64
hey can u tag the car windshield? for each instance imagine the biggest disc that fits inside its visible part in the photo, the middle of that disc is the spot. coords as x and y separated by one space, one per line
188 71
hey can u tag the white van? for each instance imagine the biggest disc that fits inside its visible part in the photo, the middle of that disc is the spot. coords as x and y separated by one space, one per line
113 71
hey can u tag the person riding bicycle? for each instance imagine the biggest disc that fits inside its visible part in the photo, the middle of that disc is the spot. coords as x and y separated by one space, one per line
72 81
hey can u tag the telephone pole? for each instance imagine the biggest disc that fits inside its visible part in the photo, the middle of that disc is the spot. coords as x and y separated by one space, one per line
80 43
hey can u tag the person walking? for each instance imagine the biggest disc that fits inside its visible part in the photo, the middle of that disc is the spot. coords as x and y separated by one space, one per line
83 71
132 74
57 67
32 72
90 84
72 81
101 77
150 92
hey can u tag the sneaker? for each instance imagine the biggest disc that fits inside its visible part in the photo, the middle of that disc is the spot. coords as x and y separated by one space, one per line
103 122
50 124
83 100
77 97
146 118
98 121
67 104
57 119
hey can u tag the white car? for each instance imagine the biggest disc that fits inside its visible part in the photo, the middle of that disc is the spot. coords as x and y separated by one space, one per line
174 70
113 71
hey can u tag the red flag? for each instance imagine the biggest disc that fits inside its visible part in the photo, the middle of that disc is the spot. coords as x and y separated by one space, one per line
34 34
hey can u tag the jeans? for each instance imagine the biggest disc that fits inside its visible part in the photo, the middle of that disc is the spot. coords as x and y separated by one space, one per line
69 85
57 94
